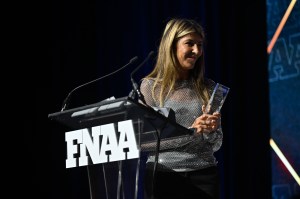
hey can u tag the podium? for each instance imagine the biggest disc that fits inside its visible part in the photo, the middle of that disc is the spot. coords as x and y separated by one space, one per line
153 131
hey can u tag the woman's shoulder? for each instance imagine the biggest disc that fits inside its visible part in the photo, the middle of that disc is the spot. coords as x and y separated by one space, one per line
150 80
147 81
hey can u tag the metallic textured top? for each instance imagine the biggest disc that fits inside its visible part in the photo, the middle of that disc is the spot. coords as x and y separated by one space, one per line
195 151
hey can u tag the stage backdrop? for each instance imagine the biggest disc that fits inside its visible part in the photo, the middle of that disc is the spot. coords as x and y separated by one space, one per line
284 80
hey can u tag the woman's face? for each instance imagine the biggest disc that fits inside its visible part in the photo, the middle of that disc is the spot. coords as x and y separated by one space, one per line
188 50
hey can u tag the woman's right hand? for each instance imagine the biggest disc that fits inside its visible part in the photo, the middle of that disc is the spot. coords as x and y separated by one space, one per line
207 123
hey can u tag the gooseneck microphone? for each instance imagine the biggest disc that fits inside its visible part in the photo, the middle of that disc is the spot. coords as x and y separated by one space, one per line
134 84
67 99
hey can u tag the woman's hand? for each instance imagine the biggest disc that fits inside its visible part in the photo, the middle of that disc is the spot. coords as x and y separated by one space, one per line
207 123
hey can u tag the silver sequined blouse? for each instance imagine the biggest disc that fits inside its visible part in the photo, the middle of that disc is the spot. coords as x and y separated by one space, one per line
194 152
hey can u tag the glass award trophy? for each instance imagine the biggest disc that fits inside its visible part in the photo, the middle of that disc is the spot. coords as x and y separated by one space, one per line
217 99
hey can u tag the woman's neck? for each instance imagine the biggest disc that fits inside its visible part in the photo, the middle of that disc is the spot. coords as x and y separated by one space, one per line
184 75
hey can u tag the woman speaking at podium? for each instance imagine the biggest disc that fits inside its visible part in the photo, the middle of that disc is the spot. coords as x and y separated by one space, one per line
177 82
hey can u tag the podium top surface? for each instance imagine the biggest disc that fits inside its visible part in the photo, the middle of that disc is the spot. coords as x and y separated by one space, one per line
111 111
78 112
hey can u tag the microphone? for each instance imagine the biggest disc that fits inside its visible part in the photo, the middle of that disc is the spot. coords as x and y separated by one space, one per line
134 84
67 99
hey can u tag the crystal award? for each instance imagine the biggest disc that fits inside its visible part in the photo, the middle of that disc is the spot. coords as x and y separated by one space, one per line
217 99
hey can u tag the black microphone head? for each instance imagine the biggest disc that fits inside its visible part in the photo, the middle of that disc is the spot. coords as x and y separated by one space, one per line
134 59
151 54
143 62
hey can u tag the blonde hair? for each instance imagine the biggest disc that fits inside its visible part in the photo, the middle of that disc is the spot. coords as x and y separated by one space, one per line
167 68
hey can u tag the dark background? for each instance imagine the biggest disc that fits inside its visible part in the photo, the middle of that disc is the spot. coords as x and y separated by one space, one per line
87 39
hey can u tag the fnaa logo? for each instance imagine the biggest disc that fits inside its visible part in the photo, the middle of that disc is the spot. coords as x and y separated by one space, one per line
103 144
